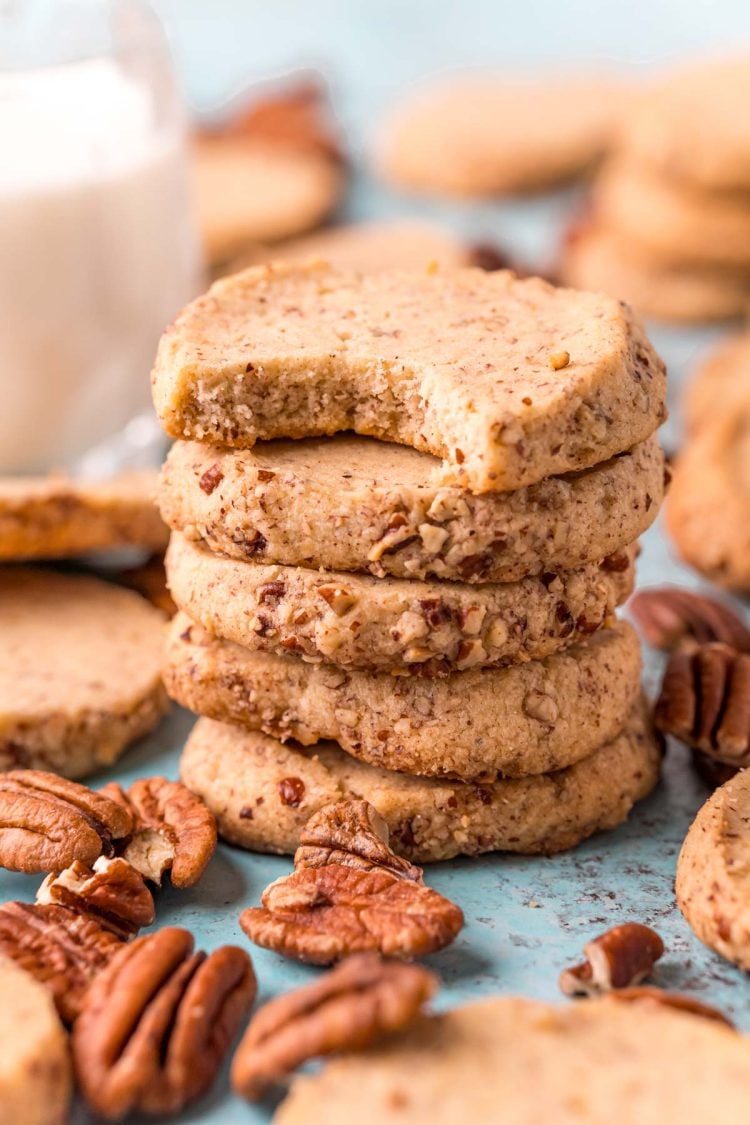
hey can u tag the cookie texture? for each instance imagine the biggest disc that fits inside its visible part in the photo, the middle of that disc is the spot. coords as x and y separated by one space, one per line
262 793
601 259
489 134
525 719
80 668
393 624
579 1064
36 1080
398 244
507 380
713 872
57 517
692 125
351 503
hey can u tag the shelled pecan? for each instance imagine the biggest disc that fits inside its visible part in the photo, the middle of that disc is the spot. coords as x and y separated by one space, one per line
361 1000
668 616
46 822
62 949
620 958
111 891
156 1024
354 834
711 772
705 702
358 897
173 830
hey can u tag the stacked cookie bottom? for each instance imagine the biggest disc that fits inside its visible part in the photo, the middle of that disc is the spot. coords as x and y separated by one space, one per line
349 625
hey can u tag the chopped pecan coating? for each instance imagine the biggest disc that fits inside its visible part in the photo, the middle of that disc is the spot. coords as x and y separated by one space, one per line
157 1023
360 1001
173 830
620 958
668 616
111 891
46 822
672 1000
353 834
62 949
321 914
705 702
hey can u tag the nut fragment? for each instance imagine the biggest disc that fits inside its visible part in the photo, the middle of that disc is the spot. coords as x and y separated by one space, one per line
620 958
353 834
46 822
352 1006
671 1000
338 598
705 702
111 891
349 893
62 949
156 1024
173 830
667 616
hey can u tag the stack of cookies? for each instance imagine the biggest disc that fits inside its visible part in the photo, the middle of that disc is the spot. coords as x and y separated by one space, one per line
428 624
670 223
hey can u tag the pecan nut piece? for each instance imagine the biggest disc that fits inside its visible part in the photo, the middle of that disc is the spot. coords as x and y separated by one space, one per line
156 1024
353 834
46 822
321 914
360 1001
111 891
620 958
711 772
668 616
173 830
62 949
672 1000
705 702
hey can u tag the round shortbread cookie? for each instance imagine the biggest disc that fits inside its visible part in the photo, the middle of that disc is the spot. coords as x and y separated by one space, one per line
708 507
598 259
36 1078
351 503
522 1062
80 671
525 719
489 134
693 125
676 226
508 380
721 385
263 792
57 517
713 872
393 624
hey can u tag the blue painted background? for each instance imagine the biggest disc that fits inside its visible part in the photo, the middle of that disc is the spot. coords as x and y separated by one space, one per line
526 918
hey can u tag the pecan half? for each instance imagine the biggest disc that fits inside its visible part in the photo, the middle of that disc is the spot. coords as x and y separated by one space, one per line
321 914
711 772
705 702
620 958
46 822
173 830
156 1024
353 834
62 949
672 1000
360 1001
667 616
111 891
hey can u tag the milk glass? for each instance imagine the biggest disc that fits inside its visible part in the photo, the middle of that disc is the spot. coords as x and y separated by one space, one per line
97 245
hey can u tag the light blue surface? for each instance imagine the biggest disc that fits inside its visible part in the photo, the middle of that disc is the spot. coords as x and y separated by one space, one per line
526 918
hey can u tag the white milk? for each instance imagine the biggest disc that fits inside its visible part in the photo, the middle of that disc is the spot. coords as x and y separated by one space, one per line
97 254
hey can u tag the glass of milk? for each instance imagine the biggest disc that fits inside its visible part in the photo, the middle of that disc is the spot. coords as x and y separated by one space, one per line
97 246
